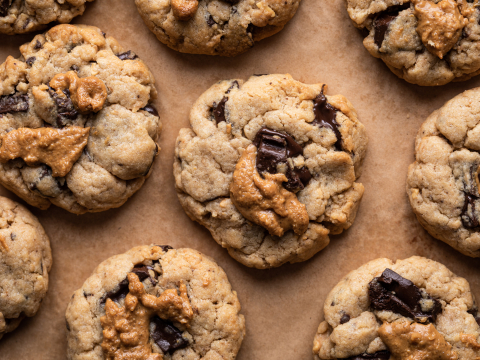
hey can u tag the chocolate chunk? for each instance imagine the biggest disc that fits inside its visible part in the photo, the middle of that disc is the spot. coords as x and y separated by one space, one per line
210 21
38 45
128 55
4 6
31 60
13 236
150 109
344 319
383 19
469 219
14 103
166 335
392 292
379 355
325 116
65 109
219 110
165 248
274 148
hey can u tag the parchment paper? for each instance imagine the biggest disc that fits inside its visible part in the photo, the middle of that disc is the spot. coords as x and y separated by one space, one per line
283 306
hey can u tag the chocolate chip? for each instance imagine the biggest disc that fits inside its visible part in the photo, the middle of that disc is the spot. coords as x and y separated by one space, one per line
166 335
383 19
38 45
75 68
165 248
219 110
469 218
210 21
344 319
128 55
474 313
26 23
379 355
13 236
31 60
65 109
150 109
14 103
234 85
325 116
274 148
104 34
393 292
4 6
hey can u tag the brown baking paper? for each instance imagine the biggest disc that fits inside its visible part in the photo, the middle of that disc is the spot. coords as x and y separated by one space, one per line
282 306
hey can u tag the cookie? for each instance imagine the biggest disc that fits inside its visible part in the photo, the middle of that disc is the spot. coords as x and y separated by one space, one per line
82 104
215 27
269 166
19 17
25 260
408 309
155 302
443 184
425 42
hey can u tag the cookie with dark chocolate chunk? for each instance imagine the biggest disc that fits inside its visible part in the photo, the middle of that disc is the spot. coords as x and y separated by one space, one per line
443 182
400 309
271 175
171 299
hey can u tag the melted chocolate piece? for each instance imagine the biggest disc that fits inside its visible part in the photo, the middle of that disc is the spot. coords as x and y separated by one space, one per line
128 55
469 221
14 103
166 335
383 19
4 6
325 116
31 60
165 248
65 109
151 109
273 148
393 292
379 355
219 110
116 295
210 21
344 319
38 45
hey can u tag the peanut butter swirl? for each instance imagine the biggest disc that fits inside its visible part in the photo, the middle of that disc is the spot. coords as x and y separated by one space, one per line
439 25
58 148
265 201
88 94
126 333
407 340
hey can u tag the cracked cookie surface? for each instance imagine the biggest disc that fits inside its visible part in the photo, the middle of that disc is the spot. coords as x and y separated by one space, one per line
25 260
311 144
215 27
362 323
22 16
72 81
442 183
425 42
214 329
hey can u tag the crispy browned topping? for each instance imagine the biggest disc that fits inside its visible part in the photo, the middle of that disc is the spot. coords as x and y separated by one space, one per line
265 201
407 340
126 329
470 340
88 94
439 25
58 148
184 9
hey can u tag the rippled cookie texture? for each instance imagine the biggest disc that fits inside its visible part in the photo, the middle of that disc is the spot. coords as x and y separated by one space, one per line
22 16
425 42
77 124
215 27
443 183
155 302
409 309
269 166
25 260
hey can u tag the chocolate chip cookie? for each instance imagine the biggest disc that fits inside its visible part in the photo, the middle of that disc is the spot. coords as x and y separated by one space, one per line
155 302
443 184
408 309
21 16
269 166
215 27
77 126
25 260
425 42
